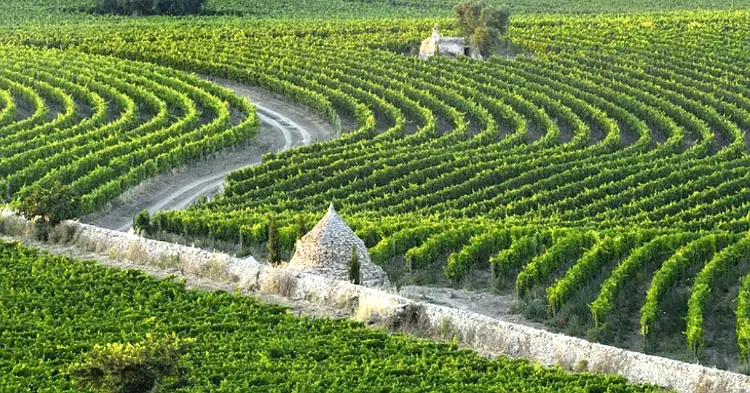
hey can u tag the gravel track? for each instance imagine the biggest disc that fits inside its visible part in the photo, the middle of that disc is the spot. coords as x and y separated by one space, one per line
283 126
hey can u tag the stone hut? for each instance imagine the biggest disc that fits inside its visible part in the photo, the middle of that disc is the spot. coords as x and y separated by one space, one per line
447 46
327 250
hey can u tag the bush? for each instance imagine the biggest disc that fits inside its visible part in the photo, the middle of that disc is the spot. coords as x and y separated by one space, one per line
142 222
132 368
274 255
41 229
48 207
55 204
301 226
109 7
135 7
178 7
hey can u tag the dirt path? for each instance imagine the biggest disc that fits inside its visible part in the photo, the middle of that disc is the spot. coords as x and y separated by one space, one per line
283 126
492 305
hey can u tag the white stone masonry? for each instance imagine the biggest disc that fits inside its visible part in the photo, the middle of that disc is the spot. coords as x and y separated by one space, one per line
327 250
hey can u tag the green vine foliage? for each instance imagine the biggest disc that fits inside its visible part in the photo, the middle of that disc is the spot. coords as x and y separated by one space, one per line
132 368
590 149
59 313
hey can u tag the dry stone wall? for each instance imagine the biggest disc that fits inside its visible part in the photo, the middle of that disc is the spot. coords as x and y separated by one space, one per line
482 333
488 335
138 250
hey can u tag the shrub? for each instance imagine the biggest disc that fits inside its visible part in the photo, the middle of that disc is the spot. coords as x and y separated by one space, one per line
142 222
273 241
55 204
131 368
160 7
109 6
178 7
135 7
301 226
48 206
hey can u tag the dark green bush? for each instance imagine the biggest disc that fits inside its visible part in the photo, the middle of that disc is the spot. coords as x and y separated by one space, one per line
142 222
151 7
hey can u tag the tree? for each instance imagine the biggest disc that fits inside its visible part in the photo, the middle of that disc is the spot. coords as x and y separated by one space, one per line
301 226
273 241
354 275
161 7
142 222
49 206
136 7
179 7
132 368
482 24
109 6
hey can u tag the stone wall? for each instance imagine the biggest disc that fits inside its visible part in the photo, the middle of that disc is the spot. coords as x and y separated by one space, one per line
492 337
129 247
479 332
488 335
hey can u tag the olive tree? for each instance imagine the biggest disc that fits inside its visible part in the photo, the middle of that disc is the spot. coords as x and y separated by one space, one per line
482 24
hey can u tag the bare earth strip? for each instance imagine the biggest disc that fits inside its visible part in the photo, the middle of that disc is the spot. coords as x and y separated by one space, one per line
493 305
283 126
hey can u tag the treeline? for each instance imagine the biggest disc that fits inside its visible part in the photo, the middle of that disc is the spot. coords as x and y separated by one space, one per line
150 7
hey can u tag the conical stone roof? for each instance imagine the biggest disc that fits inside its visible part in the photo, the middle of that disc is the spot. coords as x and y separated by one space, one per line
327 250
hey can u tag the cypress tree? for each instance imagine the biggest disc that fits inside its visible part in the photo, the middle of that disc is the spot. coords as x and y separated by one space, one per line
354 276
273 241
300 226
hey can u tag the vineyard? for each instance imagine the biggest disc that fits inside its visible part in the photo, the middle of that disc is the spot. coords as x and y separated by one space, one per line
607 159
23 10
597 169
54 308
106 125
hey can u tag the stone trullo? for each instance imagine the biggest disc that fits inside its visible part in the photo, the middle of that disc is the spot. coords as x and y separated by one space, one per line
327 250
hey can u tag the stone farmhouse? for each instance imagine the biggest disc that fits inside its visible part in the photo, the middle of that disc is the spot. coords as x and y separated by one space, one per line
451 47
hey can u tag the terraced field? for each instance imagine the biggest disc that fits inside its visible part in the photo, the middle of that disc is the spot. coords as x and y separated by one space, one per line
599 164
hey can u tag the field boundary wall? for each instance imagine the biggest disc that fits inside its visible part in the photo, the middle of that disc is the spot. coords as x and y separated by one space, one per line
483 334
